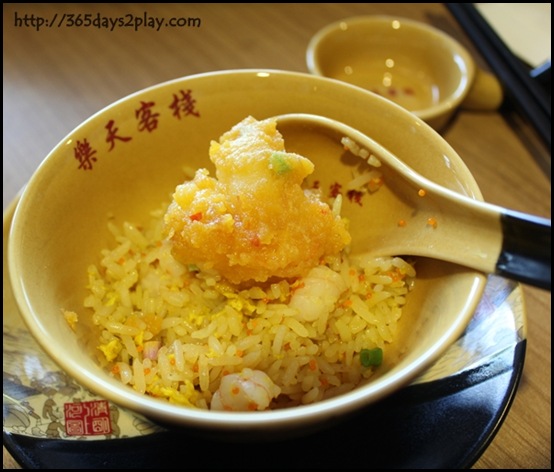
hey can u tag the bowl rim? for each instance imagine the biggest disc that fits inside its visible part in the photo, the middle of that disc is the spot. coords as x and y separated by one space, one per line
239 421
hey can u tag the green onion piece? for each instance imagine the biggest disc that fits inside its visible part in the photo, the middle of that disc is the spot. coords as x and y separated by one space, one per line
279 163
369 357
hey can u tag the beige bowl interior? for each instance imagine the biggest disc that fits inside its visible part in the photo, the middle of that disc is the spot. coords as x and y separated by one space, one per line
413 64
60 223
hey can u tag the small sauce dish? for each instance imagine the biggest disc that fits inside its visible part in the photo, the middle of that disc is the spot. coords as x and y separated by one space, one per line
413 64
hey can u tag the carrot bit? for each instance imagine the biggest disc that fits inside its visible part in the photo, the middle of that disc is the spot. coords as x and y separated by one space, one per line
355 196
252 406
401 223
147 371
196 216
335 190
421 192
115 369
312 364
240 353
235 390
395 275
432 222
347 303
255 241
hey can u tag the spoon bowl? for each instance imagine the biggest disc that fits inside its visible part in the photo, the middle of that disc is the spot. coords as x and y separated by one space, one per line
415 216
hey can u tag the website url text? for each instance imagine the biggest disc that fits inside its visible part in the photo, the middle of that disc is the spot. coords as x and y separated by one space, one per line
99 21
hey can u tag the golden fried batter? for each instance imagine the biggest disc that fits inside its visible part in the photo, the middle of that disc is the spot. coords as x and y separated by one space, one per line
253 221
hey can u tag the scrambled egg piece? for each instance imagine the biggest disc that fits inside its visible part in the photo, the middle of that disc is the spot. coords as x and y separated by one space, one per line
111 349
254 221
71 318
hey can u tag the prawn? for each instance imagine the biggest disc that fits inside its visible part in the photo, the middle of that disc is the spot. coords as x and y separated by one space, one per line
248 390
319 293
254 220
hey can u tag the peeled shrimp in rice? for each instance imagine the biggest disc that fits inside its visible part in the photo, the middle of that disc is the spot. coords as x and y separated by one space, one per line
249 390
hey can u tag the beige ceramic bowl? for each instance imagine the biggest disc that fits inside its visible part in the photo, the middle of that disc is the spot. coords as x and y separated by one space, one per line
411 63
60 223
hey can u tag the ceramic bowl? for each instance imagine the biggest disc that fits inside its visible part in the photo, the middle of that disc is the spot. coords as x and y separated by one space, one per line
411 63
126 160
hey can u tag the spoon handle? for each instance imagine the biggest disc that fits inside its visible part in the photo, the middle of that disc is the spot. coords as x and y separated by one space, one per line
526 253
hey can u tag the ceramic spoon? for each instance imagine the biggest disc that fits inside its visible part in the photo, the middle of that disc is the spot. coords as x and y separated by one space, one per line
418 217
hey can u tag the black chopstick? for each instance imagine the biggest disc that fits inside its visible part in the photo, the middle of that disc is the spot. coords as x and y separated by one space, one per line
527 95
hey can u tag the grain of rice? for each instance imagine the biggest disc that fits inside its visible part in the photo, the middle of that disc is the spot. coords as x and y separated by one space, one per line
297 327
203 373
138 376
125 372
311 397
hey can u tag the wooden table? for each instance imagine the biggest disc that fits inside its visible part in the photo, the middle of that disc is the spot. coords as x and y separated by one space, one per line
55 77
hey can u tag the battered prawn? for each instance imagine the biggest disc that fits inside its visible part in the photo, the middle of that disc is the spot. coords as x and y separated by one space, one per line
248 390
254 220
